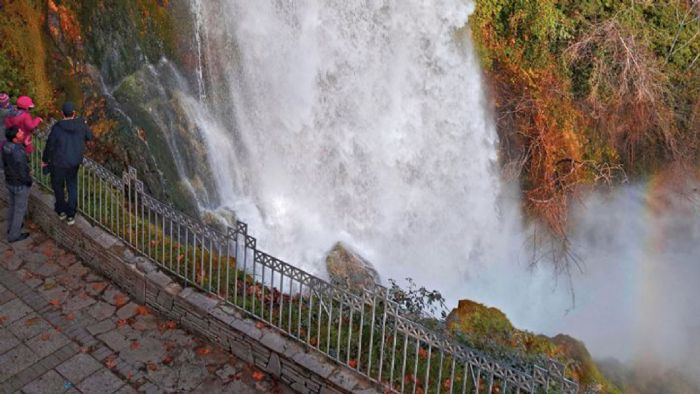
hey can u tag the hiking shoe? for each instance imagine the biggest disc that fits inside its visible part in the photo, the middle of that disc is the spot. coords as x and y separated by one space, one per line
70 220
22 237
62 216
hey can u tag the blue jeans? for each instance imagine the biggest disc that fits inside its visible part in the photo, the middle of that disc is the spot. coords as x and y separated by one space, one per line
19 197
65 178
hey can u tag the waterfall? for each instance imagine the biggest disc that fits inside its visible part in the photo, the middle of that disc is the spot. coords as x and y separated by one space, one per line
198 36
355 121
366 122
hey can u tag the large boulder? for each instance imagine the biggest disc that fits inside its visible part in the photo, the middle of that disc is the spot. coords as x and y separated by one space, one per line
480 323
348 269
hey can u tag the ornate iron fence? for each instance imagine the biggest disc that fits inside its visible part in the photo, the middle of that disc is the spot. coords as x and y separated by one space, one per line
362 330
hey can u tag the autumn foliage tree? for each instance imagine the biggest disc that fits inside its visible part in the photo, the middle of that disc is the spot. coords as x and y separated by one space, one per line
629 96
586 92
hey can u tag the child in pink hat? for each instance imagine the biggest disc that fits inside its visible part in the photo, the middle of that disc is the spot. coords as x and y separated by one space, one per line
24 120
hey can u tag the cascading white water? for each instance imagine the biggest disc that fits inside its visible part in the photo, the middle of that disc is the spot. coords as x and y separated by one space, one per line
355 121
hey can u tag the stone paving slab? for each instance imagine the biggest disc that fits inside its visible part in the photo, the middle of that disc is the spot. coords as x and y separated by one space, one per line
66 329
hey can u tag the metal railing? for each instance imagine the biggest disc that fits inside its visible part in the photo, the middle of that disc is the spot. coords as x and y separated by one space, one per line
362 330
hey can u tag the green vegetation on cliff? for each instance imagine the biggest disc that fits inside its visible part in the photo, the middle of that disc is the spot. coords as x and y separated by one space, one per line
54 50
590 91
488 328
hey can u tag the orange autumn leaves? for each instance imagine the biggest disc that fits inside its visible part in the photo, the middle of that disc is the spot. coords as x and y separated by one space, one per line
258 376
542 126
68 27
119 299
167 325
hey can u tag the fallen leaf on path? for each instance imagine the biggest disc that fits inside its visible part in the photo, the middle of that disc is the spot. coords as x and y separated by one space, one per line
152 366
258 376
203 351
111 361
259 325
48 251
167 360
55 302
167 325
352 363
45 336
70 316
135 345
142 310
119 299
121 323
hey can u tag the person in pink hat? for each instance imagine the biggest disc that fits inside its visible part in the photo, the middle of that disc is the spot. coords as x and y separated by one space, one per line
24 120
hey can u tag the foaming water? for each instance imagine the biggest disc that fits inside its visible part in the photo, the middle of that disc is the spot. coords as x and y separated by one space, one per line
354 121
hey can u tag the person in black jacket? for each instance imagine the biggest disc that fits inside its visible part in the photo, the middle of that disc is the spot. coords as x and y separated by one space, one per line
18 180
63 155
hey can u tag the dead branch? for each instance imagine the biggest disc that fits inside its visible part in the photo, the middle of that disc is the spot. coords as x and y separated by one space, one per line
629 95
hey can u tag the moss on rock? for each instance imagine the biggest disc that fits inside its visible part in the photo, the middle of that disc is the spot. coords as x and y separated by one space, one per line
488 328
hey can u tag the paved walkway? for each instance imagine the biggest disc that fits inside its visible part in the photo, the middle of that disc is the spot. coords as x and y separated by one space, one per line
63 328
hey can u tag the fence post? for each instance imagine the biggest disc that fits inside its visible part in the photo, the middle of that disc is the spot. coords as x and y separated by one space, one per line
127 177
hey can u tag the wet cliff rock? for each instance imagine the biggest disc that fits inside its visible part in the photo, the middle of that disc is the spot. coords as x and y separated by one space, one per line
348 269
99 54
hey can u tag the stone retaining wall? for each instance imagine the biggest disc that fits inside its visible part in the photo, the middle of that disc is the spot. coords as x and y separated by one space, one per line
298 366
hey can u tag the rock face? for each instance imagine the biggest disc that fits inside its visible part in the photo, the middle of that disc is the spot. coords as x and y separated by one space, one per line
489 327
107 57
347 268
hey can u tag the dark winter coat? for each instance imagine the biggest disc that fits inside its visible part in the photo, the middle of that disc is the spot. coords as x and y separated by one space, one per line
65 146
15 162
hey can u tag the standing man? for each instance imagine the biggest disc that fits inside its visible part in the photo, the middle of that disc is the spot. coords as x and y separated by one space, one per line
18 180
63 155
